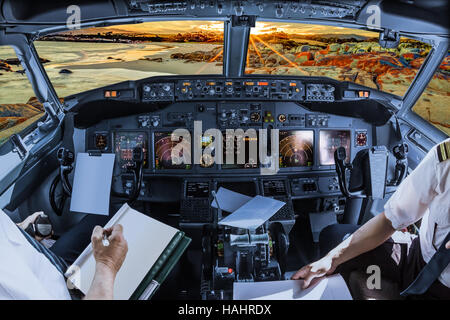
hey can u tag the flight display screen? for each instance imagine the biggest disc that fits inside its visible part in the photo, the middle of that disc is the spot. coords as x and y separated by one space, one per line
163 152
329 141
240 145
296 148
125 142
207 159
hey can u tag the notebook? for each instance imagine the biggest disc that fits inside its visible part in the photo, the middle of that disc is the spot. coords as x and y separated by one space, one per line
153 250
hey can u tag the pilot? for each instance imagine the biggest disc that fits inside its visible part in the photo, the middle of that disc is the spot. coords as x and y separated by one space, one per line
419 267
28 270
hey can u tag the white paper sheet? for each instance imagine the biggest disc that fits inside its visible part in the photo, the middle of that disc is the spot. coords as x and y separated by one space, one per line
329 288
92 183
229 200
253 213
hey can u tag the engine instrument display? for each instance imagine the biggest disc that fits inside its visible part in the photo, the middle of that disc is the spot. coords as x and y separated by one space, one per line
207 158
125 142
329 141
241 145
296 148
101 141
164 159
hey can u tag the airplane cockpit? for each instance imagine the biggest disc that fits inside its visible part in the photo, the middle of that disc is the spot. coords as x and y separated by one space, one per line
320 105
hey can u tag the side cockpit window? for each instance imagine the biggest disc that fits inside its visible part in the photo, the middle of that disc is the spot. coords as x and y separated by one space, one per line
19 107
433 104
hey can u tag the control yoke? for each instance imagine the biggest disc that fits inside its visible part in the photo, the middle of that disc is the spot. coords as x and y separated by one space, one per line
366 175
138 171
65 158
342 169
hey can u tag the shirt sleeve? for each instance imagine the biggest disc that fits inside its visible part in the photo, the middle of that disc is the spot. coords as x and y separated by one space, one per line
410 201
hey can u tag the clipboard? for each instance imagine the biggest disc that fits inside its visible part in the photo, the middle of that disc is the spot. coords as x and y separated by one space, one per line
154 248
92 180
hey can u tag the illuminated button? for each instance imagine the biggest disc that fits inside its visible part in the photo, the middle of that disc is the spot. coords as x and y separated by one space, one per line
263 83
113 94
107 94
292 84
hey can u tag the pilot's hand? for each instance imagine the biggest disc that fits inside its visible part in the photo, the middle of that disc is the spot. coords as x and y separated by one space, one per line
447 245
314 270
31 219
112 254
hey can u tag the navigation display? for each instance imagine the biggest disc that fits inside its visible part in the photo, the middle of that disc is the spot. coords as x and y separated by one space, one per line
329 141
240 145
296 148
125 142
163 152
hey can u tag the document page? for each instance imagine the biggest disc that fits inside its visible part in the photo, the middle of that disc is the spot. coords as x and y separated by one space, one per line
253 213
92 183
229 200
329 288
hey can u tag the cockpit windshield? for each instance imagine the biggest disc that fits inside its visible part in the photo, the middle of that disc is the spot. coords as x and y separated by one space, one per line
340 53
80 60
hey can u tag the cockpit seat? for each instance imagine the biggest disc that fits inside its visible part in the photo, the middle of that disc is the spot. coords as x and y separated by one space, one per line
357 283
357 277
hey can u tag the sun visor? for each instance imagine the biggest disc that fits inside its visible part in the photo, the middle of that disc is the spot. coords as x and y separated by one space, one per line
55 12
403 17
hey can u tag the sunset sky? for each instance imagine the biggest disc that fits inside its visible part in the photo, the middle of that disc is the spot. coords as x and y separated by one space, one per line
173 27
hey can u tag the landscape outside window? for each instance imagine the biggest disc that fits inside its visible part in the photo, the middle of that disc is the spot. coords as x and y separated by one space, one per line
340 53
19 108
434 103
80 60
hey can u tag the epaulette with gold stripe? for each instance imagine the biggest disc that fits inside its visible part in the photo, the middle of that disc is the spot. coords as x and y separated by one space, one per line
443 151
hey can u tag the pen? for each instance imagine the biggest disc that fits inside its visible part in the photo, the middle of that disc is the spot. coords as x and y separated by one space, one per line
105 239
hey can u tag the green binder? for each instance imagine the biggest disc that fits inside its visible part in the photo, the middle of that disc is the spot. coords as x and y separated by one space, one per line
161 269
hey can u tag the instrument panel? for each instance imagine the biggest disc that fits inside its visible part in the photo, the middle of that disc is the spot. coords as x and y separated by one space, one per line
306 140
252 88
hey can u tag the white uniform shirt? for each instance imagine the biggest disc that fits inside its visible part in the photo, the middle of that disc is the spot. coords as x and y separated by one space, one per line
24 272
425 194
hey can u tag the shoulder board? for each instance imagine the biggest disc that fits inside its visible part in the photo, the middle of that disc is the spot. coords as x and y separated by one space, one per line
443 151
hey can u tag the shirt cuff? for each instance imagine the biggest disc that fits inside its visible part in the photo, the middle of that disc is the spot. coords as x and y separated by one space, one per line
389 213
